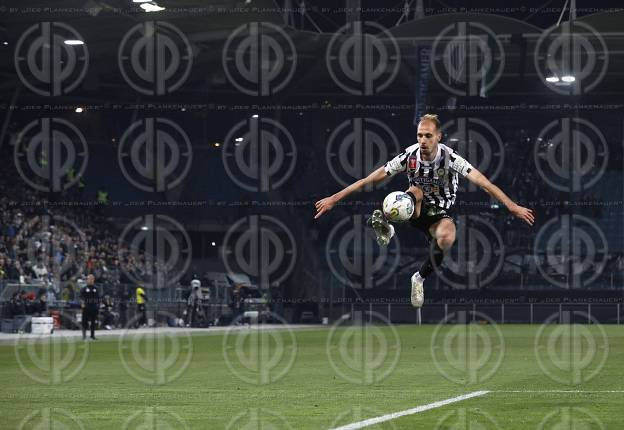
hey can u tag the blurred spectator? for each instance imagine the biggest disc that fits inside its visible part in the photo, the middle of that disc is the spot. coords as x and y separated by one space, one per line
40 305
102 197
108 316
12 270
40 271
16 304
238 303
28 299
69 292
193 303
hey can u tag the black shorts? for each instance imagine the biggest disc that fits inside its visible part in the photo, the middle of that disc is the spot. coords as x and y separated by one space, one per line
430 215
90 313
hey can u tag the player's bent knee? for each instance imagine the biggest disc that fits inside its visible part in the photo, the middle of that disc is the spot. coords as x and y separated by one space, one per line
446 241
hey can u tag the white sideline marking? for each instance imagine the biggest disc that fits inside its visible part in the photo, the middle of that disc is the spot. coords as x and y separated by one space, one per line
388 417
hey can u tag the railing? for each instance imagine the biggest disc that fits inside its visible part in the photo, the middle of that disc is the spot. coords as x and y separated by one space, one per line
502 313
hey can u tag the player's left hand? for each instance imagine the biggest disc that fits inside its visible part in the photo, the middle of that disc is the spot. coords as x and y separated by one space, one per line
525 214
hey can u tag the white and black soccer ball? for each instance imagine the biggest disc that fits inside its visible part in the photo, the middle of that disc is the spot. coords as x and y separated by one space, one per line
398 206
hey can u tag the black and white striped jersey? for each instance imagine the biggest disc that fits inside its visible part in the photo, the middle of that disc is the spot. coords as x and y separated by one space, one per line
437 178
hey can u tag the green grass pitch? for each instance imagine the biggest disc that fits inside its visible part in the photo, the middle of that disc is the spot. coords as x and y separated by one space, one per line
538 377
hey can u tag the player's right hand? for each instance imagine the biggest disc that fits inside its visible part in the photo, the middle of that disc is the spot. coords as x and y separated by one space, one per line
324 205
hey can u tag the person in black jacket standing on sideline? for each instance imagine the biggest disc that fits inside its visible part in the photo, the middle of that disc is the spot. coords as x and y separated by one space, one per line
90 304
122 298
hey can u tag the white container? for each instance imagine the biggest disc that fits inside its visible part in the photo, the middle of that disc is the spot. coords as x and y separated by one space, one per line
42 325
253 316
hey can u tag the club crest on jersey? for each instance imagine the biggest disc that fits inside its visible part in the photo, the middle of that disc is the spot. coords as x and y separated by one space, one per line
411 163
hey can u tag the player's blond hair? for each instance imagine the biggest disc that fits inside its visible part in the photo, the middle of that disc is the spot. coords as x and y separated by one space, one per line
431 117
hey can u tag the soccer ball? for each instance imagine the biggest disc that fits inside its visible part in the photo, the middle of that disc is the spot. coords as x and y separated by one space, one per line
398 207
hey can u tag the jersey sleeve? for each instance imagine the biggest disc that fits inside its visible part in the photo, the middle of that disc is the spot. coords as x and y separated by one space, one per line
459 164
399 163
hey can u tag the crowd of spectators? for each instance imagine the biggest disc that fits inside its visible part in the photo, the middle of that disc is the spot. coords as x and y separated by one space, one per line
48 243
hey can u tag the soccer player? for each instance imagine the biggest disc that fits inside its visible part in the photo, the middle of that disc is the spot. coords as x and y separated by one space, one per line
432 169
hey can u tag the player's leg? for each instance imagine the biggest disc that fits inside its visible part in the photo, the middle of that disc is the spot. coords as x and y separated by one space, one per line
383 229
417 196
144 314
444 233
92 322
84 323
443 236
137 316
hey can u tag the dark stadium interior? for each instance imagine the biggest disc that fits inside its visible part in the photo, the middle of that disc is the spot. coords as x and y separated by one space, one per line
311 214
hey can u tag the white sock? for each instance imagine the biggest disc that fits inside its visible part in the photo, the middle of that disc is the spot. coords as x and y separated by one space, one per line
391 231
418 277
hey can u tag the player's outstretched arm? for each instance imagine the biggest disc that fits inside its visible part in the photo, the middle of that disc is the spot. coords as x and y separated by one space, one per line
478 178
328 203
